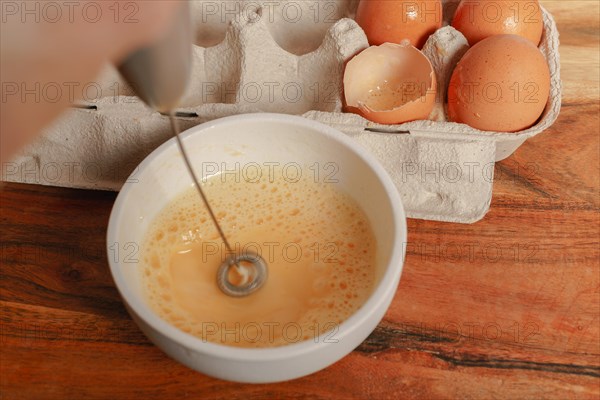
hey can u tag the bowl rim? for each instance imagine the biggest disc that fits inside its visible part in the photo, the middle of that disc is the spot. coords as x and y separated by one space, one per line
388 282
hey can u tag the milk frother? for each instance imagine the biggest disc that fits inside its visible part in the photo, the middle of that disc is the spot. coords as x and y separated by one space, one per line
159 74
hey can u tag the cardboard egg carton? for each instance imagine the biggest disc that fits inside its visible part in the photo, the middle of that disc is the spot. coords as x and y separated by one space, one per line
288 56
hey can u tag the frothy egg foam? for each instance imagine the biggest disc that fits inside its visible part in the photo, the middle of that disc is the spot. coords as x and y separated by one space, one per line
316 240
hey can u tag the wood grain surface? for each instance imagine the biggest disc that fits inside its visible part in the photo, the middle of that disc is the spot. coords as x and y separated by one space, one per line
508 307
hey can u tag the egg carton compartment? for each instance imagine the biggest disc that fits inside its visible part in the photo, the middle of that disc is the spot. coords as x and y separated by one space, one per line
287 56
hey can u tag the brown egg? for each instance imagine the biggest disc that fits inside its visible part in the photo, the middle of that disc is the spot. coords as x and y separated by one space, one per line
390 84
396 20
479 19
501 84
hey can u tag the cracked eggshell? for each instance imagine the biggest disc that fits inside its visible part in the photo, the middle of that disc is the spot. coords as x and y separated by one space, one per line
390 84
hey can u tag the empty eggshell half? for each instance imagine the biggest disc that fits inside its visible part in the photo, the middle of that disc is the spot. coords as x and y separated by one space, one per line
390 84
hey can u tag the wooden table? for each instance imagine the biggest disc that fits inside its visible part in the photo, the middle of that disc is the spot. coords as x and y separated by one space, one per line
504 308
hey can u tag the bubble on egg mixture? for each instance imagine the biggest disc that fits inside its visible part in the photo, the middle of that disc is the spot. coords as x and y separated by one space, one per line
316 240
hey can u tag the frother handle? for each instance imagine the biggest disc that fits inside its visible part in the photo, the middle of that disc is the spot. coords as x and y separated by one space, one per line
159 73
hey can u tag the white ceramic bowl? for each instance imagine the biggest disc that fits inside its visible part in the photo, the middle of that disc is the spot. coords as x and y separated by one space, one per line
243 139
